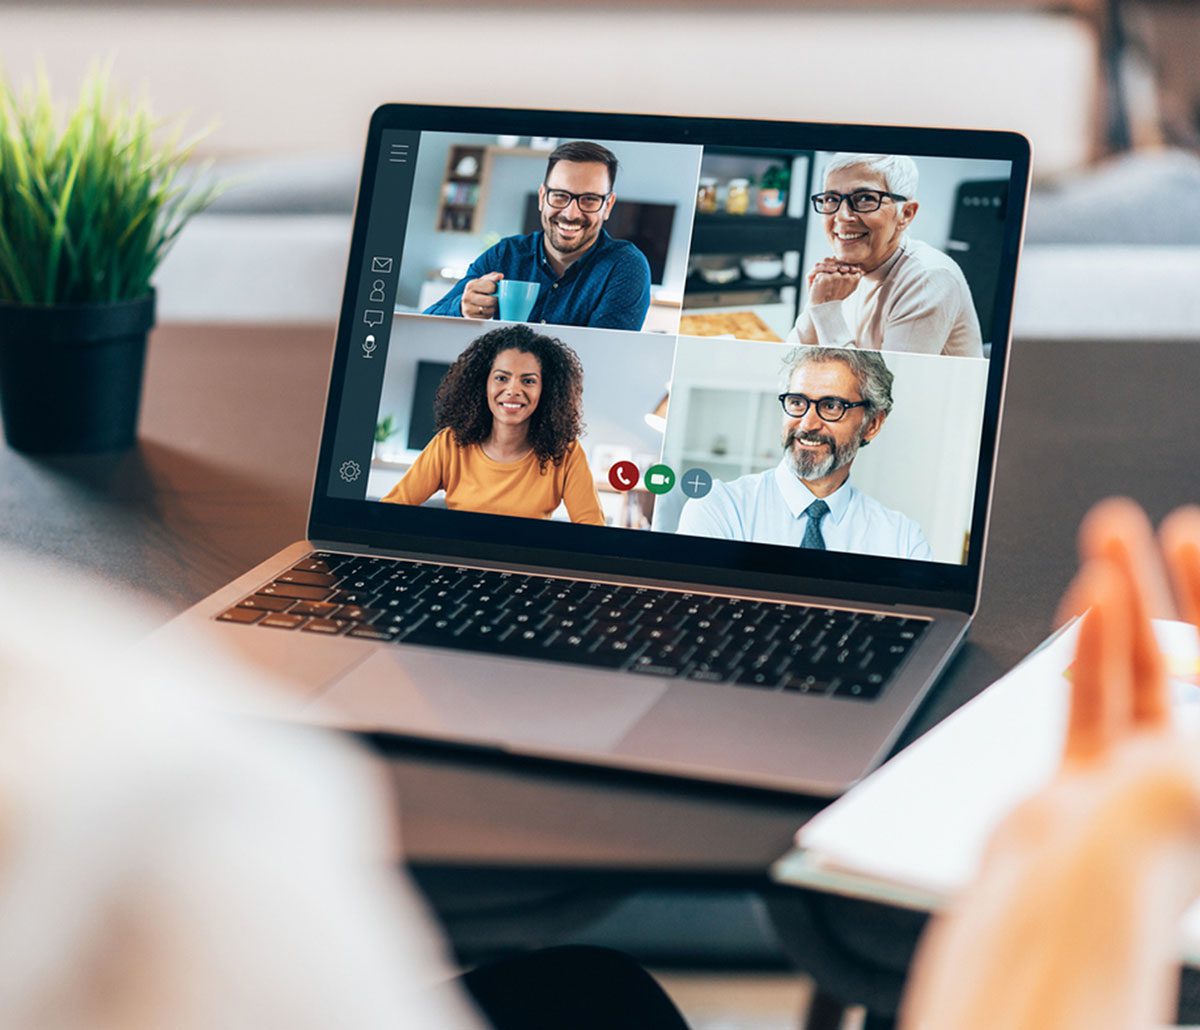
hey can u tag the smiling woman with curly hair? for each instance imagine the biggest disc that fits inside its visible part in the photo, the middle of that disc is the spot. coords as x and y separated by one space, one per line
509 414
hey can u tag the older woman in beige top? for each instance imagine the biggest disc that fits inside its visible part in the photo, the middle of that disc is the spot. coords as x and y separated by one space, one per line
880 290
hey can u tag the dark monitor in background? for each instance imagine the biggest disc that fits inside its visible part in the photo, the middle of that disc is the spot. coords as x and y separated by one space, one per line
647 226
421 426
976 238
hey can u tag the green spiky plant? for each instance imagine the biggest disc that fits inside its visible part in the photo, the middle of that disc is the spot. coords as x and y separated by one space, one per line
386 428
91 202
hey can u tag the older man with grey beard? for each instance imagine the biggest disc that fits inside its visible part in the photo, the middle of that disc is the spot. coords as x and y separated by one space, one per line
836 401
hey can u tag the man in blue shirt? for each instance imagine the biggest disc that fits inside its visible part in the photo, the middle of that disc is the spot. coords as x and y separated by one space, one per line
586 277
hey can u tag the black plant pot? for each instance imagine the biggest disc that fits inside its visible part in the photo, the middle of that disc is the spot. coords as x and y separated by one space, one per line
71 376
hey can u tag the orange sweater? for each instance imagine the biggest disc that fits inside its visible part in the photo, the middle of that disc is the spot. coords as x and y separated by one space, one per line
474 482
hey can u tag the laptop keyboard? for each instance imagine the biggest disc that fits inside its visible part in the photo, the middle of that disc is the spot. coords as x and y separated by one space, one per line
766 645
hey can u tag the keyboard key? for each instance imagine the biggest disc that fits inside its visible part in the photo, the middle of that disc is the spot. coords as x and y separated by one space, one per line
757 678
362 569
296 592
356 613
372 633
332 627
705 674
859 689
362 597
354 585
610 648
322 609
399 620
562 651
806 685
282 620
316 565
239 614
312 579
267 603
648 667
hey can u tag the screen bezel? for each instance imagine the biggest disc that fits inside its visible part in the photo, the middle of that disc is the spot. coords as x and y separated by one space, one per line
660 556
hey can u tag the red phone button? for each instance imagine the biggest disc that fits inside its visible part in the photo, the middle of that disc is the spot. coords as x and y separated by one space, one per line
623 475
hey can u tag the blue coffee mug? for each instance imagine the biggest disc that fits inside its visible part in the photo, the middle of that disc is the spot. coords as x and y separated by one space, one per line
516 299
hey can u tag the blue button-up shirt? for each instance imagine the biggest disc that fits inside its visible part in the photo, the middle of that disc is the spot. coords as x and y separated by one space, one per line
609 287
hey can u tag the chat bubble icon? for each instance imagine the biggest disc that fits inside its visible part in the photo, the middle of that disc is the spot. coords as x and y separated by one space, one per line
373 317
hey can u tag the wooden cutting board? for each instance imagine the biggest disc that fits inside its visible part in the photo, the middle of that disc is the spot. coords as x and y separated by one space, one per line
744 325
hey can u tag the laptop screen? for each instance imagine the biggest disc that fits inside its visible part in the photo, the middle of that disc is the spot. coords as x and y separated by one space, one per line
768 350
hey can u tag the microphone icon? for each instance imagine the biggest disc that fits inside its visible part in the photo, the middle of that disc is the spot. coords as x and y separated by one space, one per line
368 346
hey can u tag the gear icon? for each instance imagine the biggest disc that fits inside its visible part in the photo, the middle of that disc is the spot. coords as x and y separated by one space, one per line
350 471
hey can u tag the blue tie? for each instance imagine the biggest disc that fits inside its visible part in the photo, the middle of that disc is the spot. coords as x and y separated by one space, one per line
812 532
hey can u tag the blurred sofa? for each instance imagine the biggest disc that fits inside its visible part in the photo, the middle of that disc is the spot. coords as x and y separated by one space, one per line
288 87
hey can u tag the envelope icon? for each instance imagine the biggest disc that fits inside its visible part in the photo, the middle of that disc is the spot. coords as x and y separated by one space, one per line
380 264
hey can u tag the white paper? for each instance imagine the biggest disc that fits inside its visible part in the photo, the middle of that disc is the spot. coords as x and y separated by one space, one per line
920 823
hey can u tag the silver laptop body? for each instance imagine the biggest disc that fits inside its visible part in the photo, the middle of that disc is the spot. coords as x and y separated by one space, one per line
421 162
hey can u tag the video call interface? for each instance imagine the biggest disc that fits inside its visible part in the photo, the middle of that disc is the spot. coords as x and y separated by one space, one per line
783 347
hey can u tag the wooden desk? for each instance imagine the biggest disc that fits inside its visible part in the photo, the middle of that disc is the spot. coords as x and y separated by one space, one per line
221 480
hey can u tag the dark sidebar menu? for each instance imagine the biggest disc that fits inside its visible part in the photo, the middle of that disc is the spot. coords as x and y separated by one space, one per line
371 320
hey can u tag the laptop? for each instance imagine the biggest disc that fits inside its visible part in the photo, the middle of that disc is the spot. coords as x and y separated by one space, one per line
655 443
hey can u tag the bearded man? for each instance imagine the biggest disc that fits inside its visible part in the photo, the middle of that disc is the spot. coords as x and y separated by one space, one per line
836 401
585 276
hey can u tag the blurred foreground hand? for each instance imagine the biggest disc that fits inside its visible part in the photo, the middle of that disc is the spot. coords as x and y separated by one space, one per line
1073 921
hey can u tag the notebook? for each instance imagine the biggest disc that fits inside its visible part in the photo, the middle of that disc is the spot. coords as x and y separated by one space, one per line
912 835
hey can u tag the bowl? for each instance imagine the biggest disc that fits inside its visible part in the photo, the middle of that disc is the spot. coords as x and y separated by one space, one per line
720 276
762 267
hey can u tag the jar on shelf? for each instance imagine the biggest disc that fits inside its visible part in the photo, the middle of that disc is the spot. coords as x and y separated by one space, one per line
706 197
737 202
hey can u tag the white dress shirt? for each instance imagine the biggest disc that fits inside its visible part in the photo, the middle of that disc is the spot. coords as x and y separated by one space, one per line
917 300
768 508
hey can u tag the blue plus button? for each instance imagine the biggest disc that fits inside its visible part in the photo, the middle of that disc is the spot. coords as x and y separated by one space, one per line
695 482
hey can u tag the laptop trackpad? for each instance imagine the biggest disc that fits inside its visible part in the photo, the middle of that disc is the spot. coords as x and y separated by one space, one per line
498 700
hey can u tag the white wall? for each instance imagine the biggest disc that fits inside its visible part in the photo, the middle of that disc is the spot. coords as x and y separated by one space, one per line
306 78
922 463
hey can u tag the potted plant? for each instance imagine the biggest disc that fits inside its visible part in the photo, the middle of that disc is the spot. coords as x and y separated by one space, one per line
773 190
89 205
385 429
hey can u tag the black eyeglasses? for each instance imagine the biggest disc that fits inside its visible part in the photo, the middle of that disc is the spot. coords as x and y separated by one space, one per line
861 201
829 409
589 203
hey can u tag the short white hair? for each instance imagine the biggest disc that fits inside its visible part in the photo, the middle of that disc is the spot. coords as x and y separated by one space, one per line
899 171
